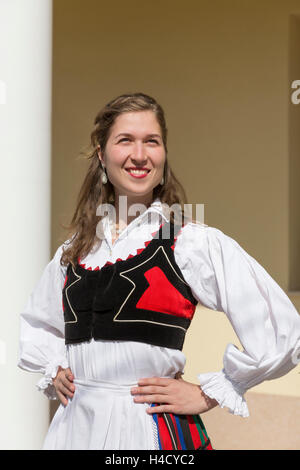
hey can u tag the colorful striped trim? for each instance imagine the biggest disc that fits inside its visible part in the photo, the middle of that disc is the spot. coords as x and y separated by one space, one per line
181 432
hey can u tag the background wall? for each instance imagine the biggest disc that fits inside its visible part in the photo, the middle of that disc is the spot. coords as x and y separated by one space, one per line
222 71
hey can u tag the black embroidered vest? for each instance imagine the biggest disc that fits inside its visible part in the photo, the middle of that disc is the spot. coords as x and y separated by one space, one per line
143 298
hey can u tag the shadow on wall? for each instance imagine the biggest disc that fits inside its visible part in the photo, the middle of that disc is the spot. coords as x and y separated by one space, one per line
273 424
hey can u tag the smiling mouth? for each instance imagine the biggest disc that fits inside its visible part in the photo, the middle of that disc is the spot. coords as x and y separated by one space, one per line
137 173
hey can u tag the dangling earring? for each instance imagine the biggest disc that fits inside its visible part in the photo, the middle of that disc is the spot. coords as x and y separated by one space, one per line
104 177
163 179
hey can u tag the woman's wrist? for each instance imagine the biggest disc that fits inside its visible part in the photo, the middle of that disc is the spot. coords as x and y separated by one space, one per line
209 402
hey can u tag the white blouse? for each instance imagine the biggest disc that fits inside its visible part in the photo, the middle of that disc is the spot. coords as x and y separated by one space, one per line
222 277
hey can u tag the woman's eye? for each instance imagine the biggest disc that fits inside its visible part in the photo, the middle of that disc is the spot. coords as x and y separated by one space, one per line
126 138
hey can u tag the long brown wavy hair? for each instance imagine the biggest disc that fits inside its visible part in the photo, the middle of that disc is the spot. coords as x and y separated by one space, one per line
82 233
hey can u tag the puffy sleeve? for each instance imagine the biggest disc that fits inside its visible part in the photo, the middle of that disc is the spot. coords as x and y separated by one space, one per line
42 346
224 277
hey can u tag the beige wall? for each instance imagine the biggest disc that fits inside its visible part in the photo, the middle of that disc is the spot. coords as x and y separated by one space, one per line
222 71
294 157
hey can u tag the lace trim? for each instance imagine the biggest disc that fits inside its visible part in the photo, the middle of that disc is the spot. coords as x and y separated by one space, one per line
138 251
45 384
220 387
155 434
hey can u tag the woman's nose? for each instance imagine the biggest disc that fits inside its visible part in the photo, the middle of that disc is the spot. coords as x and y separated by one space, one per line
139 153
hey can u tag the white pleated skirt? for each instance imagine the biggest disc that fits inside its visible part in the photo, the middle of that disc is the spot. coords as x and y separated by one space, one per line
102 414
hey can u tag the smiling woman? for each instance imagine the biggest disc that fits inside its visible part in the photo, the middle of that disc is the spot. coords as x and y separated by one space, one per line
107 321
138 156
138 118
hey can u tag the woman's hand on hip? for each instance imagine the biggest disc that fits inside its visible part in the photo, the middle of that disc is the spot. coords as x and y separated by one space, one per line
63 385
172 396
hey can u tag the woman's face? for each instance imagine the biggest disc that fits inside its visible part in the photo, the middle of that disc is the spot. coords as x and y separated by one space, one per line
134 156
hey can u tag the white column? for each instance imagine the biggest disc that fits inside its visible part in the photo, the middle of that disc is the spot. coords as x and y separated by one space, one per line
25 172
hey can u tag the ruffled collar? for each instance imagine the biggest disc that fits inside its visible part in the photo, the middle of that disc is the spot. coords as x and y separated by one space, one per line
108 220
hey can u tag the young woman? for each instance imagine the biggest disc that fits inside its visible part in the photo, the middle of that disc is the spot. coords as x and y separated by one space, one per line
106 322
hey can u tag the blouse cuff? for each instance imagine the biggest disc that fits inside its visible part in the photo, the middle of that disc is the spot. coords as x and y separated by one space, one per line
218 386
45 384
